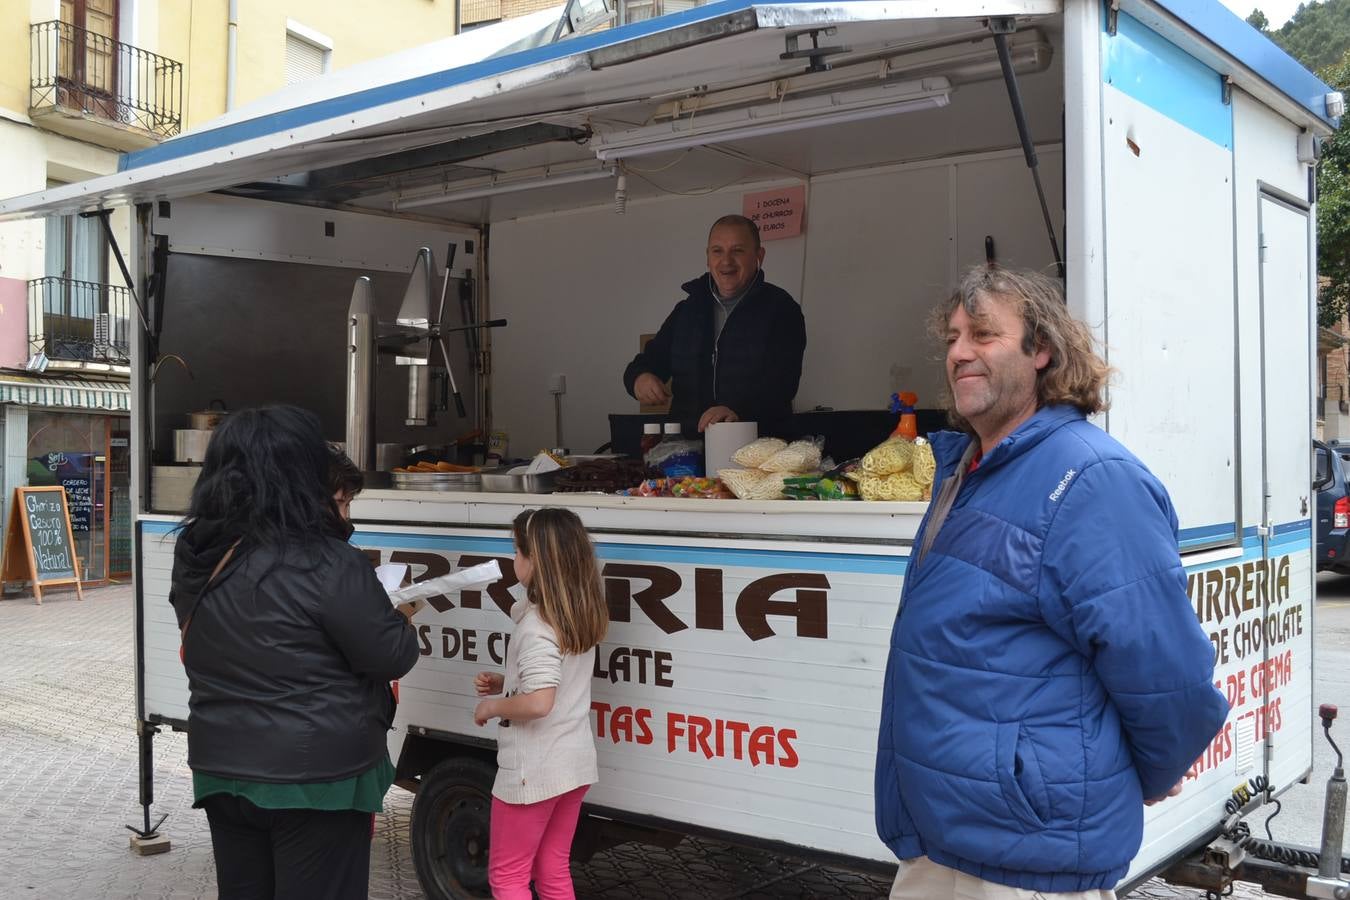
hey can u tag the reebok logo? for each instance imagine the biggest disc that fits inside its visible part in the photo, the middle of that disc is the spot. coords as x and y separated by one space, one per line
1063 483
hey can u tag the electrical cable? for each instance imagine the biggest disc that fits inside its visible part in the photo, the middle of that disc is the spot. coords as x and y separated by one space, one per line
699 193
1240 833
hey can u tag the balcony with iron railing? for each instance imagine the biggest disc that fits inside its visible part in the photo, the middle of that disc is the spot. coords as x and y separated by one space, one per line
79 321
476 13
89 86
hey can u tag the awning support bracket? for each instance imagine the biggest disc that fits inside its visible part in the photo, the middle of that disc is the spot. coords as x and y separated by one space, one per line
103 215
1001 28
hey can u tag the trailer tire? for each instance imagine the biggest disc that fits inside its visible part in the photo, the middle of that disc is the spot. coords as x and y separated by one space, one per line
450 828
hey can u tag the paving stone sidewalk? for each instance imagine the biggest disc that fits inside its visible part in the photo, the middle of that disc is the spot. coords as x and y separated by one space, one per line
68 785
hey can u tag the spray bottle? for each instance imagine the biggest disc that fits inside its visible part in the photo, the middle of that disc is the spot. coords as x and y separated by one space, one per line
908 426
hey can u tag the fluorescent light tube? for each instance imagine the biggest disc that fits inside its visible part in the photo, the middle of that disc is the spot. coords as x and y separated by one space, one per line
1029 50
494 188
774 118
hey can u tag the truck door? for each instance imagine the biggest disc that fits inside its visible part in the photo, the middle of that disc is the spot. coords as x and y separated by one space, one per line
1283 677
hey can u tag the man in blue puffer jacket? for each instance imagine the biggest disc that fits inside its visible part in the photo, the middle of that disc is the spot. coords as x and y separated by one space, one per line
1047 676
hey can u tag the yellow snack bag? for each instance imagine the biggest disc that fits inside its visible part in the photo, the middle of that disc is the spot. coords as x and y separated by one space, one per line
923 465
888 457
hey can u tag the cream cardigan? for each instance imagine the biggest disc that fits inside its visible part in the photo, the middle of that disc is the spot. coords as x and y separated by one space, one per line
542 758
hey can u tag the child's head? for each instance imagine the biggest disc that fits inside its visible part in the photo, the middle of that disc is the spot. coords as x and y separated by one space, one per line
556 563
344 479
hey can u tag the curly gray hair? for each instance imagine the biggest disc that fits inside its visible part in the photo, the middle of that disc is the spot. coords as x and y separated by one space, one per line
1076 374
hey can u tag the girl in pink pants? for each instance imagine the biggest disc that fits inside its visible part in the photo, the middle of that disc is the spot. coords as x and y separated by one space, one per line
545 748
533 841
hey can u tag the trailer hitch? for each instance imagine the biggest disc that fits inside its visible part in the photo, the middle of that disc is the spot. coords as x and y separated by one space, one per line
1328 881
1287 870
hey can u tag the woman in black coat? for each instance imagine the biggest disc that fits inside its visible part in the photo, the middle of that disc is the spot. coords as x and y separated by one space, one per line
290 644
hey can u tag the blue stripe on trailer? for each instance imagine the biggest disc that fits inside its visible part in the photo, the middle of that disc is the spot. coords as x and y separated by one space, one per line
1146 66
1205 534
1224 28
332 107
1252 554
890 563
863 564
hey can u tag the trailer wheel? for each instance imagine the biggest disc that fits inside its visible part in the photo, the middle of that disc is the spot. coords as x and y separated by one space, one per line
450 828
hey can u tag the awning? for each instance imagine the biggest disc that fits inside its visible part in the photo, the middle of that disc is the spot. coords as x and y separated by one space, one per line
420 103
66 393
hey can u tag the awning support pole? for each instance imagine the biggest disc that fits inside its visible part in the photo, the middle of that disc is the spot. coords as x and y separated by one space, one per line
103 215
1002 28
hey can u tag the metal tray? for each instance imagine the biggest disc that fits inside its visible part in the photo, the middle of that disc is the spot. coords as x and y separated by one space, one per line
436 481
498 481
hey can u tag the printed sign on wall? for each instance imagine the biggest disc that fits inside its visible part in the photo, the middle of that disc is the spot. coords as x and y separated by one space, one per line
778 213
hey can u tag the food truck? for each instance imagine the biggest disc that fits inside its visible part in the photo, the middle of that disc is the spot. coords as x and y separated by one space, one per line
1160 154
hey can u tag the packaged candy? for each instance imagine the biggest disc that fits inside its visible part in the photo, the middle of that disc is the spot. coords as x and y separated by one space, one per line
837 489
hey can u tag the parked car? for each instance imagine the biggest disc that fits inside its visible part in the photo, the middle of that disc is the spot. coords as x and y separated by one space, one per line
1333 505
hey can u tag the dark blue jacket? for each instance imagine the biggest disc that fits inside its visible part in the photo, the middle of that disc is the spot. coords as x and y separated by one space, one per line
1047 672
754 368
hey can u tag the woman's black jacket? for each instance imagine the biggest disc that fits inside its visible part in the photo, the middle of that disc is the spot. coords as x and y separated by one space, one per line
289 660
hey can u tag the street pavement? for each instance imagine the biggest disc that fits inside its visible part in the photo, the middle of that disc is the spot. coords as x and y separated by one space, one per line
68 784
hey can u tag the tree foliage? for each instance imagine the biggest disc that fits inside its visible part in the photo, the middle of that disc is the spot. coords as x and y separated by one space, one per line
1333 209
1317 35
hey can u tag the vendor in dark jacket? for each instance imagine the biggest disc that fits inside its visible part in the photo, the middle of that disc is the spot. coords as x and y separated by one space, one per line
290 644
732 348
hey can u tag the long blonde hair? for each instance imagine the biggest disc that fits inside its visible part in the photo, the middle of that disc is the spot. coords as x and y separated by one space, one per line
1076 375
565 586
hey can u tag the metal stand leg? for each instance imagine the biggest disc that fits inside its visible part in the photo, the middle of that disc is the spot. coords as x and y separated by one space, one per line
147 841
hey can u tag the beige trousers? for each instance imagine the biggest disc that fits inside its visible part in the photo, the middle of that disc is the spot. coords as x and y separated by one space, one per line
923 879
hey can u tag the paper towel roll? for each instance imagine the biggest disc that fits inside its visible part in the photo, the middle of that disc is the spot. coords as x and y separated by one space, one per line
723 439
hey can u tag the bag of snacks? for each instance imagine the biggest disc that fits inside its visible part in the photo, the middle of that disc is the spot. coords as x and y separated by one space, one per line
837 489
752 484
798 456
757 452
698 488
677 458
888 457
896 486
801 487
923 465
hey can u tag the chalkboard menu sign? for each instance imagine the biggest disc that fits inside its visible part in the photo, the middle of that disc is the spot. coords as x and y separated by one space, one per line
40 546
80 497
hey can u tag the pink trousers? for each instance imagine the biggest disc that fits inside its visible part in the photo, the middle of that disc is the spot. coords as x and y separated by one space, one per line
533 841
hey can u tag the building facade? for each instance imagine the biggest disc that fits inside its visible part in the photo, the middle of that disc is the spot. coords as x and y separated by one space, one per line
82 81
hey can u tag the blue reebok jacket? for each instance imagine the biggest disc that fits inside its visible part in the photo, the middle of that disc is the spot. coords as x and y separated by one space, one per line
1047 672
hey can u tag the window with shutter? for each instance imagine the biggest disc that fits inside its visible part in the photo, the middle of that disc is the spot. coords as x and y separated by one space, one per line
304 59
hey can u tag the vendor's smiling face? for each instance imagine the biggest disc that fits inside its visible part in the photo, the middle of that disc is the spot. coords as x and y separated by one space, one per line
733 259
